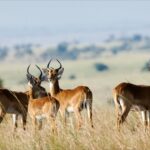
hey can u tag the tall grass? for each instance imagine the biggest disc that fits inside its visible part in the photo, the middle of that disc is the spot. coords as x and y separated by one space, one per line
123 67
103 136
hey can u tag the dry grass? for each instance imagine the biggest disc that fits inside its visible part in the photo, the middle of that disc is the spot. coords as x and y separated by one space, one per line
103 136
123 67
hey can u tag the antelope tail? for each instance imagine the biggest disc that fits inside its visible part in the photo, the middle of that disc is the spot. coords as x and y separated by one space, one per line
88 103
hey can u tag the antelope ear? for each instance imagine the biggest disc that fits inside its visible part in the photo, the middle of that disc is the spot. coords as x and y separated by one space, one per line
44 78
28 76
45 70
60 72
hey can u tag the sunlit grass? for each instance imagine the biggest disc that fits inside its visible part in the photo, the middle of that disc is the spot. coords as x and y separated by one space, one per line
103 136
125 67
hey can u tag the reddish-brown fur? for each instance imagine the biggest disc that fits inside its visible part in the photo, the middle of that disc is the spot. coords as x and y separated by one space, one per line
45 106
131 95
76 99
14 103
41 105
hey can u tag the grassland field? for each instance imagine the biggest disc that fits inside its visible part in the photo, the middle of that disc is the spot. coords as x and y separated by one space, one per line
123 67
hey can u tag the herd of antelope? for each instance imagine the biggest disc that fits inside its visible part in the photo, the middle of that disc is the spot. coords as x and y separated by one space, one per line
40 104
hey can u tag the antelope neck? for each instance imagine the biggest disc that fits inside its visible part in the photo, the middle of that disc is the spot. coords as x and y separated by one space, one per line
38 92
54 87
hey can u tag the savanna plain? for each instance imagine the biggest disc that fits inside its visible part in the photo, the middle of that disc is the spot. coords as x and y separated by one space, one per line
123 67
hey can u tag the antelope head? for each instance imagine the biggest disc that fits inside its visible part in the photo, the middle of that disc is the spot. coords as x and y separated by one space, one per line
52 74
35 84
32 80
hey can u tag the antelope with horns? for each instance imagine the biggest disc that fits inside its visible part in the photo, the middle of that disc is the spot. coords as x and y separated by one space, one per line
41 107
127 96
71 100
16 103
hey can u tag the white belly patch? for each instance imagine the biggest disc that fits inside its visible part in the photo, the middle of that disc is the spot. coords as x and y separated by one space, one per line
70 109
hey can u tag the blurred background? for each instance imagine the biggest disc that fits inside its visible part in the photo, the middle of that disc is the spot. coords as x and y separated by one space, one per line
100 44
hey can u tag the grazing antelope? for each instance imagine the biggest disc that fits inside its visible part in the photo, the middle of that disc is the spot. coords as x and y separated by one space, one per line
127 96
41 107
71 100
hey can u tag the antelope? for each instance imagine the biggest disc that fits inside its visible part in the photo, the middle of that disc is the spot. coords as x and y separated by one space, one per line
41 107
127 96
71 100
16 103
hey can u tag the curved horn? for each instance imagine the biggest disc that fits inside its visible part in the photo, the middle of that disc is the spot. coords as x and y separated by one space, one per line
28 69
40 76
49 63
59 64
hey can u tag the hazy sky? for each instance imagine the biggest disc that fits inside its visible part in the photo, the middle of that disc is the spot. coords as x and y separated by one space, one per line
81 16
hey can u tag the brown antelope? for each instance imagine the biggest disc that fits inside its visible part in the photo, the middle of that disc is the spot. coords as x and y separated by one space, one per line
127 96
71 100
16 103
41 107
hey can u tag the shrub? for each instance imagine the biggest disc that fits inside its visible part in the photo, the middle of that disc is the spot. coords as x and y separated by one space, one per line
62 47
136 38
146 66
3 52
101 67
72 77
123 47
